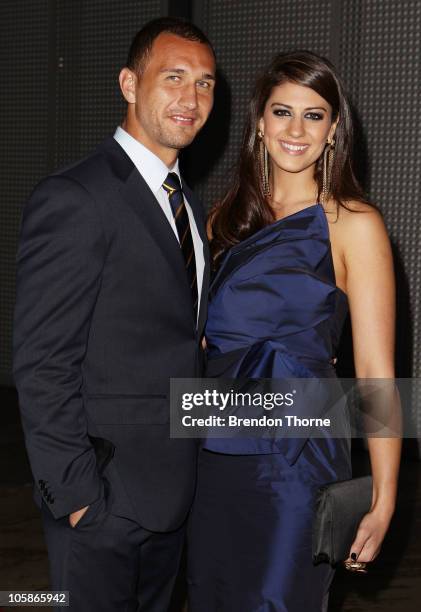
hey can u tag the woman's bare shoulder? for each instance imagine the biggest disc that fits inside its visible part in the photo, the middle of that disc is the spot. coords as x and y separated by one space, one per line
360 228
335 210
355 214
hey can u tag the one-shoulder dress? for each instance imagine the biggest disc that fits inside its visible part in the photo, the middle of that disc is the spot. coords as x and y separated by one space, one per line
274 312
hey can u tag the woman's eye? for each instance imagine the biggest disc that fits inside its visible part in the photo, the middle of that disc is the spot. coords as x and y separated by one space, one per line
173 77
315 116
281 112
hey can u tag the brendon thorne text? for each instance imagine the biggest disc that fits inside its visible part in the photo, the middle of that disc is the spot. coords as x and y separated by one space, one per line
263 421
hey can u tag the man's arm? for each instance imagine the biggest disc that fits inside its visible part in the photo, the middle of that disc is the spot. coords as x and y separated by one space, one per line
61 254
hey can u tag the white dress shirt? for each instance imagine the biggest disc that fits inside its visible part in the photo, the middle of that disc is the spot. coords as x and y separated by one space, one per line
154 172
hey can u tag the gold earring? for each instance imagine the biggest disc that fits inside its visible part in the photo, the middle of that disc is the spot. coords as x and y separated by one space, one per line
263 160
328 158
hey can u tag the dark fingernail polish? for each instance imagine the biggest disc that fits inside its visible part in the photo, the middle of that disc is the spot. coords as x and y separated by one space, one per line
354 556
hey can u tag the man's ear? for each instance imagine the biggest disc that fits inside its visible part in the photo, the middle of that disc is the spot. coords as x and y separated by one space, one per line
127 80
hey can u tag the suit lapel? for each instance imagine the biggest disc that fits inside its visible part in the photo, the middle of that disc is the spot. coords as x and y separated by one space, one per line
136 193
200 223
203 314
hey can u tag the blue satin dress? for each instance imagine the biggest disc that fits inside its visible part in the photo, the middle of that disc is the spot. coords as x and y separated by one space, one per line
274 312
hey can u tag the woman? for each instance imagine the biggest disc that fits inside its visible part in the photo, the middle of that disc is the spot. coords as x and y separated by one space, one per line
294 246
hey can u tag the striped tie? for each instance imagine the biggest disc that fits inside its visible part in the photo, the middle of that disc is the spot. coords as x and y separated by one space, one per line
175 195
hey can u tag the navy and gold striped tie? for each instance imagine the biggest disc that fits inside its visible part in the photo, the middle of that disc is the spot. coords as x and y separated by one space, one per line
175 195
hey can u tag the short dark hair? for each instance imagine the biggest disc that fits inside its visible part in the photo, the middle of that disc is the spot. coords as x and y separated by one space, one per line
142 43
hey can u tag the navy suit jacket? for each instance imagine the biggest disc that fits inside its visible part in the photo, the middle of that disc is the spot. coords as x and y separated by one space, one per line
103 320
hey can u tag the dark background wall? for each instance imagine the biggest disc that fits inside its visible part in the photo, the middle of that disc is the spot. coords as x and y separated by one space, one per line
59 64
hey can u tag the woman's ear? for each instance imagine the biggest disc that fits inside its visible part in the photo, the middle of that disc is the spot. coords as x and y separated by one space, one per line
261 125
332 130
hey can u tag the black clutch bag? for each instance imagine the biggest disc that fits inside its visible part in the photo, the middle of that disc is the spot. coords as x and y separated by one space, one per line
339 509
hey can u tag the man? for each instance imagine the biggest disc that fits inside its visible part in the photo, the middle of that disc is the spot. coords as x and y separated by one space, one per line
111 302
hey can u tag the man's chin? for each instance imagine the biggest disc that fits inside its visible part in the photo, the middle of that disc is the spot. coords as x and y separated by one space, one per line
180 142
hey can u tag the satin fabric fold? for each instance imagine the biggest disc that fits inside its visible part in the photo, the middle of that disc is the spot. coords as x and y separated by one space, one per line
275 312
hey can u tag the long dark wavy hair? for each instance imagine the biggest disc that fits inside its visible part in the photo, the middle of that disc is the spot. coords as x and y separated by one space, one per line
244 209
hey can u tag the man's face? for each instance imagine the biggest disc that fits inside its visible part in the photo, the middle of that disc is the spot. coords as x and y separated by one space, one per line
171 99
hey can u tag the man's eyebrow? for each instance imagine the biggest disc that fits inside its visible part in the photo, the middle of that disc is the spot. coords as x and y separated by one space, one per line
306 109
205 75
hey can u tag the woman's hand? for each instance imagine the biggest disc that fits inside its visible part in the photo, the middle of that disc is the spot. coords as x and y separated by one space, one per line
370 535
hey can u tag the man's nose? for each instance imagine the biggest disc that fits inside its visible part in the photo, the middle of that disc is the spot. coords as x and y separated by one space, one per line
188 98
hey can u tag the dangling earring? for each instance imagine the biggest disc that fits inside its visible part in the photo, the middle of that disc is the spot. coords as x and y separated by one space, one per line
328 158
263 160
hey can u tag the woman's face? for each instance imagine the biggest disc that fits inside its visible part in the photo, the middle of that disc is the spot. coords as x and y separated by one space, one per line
296 124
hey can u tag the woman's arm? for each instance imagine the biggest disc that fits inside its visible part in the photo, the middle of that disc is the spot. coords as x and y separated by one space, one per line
370 287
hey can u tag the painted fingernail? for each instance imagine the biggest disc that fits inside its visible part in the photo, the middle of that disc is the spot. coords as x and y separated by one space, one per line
354 556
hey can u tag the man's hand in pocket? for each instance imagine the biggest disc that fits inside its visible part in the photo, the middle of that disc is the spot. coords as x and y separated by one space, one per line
75 517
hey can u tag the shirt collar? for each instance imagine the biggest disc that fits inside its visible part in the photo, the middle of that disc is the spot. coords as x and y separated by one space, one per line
152 169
